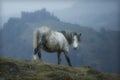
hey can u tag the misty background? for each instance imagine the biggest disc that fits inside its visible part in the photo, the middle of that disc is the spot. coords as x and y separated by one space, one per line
90 13
97 20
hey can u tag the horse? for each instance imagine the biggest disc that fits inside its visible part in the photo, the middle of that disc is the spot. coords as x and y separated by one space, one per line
54 41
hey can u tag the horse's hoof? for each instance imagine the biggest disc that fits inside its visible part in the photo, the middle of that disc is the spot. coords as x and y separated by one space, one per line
34 61
41 62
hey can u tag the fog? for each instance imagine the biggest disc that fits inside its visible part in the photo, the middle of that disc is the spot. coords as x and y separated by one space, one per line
88 13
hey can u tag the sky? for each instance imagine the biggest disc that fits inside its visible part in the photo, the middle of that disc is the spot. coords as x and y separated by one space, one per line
90 13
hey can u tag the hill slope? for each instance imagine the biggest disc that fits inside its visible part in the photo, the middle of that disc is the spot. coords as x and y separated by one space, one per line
11 69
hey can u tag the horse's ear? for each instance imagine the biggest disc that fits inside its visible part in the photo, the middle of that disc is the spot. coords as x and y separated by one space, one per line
80 34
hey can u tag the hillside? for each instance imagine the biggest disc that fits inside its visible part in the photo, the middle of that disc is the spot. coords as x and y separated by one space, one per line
99 49
14 69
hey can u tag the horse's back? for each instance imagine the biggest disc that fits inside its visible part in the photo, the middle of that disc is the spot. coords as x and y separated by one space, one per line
52 40
56 40
59 37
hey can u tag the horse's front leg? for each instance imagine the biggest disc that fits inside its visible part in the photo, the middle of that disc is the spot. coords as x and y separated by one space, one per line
67 58
59 57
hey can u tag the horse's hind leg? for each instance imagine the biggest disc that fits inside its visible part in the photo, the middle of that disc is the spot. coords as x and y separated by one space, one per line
37 50
39 55
35 54
59 57
67 58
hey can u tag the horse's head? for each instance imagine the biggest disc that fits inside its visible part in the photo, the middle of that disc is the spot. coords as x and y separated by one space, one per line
76 40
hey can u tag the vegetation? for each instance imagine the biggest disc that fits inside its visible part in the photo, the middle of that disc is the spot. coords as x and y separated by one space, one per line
14 69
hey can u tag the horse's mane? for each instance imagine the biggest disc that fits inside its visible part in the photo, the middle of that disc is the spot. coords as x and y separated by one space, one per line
68 36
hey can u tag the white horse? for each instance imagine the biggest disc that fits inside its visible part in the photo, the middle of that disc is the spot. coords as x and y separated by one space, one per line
54 41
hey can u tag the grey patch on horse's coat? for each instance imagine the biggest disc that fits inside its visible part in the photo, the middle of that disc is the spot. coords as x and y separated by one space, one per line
44 44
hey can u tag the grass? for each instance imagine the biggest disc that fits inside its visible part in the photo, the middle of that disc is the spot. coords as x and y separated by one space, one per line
16 69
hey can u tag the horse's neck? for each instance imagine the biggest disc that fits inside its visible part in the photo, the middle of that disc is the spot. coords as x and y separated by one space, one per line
68 36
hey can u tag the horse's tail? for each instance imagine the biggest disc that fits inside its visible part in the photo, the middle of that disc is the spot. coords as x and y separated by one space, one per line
36 38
